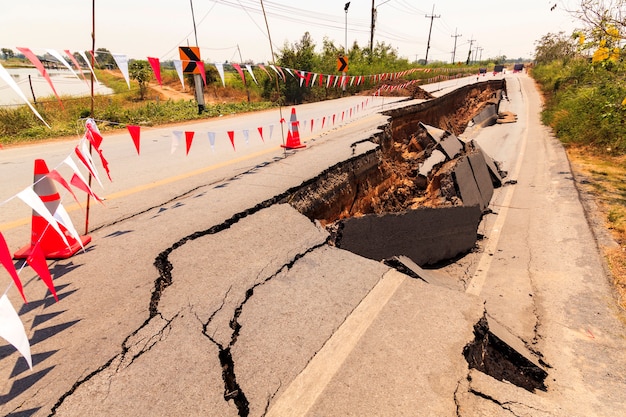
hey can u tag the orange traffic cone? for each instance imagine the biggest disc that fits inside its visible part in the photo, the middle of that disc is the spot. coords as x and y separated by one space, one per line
42 234
293 138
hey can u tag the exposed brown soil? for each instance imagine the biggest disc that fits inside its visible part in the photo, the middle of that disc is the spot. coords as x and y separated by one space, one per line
389 181
414 91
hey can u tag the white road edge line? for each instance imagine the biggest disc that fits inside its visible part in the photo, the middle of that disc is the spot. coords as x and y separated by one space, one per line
478 280
302 393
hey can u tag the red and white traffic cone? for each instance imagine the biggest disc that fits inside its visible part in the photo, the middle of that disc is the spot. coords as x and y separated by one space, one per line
293 136
42 234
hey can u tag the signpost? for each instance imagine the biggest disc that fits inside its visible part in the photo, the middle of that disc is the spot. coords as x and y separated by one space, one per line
342 66
190 55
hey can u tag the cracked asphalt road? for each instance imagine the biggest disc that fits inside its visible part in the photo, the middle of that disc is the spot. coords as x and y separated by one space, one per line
250 312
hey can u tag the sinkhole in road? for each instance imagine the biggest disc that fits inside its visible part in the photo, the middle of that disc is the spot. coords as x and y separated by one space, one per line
493 352
410 195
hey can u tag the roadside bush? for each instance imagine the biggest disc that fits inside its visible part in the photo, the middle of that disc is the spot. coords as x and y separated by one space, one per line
584 102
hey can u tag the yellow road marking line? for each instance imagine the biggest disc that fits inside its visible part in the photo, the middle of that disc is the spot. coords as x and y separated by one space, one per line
145 187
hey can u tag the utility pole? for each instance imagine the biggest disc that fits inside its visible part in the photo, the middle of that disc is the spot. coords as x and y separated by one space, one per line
343 78
469 54
197 78
372 29
455 36
374 16
480 58
431 17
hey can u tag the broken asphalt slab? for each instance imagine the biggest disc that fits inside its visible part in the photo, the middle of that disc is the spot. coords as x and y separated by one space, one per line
426 235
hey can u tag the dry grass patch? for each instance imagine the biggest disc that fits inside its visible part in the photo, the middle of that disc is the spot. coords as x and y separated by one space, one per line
606 181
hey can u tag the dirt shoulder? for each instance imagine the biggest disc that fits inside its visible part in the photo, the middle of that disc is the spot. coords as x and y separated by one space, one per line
599 179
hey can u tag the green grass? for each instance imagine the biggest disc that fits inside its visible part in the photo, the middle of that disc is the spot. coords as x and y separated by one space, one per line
19 124
584 103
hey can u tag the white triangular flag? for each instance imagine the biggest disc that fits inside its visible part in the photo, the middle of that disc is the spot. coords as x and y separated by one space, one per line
12 329
249 68
67 65
30 197
82 54
6 77
246 135
64 220
220 70
122 63
178 64
70 162
212 140
177 137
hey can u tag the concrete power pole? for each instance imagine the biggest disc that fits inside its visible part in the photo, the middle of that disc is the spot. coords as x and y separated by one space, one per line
455 36
372 29
431 17
469 54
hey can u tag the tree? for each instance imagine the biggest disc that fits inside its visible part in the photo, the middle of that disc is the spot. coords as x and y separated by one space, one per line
140 71
604 31
105 59
554 46
7 53
300 56
602 17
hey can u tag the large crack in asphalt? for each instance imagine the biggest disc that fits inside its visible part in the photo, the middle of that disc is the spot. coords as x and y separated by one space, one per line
164 280
232 389
130 352
165 267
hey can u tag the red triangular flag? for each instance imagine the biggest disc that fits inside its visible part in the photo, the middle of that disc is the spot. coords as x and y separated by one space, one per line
37 261
134 133
156 67
93 135
188 140
238 68
54 175
105 163
202 70
5 259
231 135
260 129
82 158
77 182
37 63
76 64
266 71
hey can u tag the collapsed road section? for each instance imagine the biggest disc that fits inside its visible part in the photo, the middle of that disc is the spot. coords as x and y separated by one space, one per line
223 299
421 193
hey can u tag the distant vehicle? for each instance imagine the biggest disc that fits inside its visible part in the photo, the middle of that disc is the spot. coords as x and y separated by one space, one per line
498 69
518 68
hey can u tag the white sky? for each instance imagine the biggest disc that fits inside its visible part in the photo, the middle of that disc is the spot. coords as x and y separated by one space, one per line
142 28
